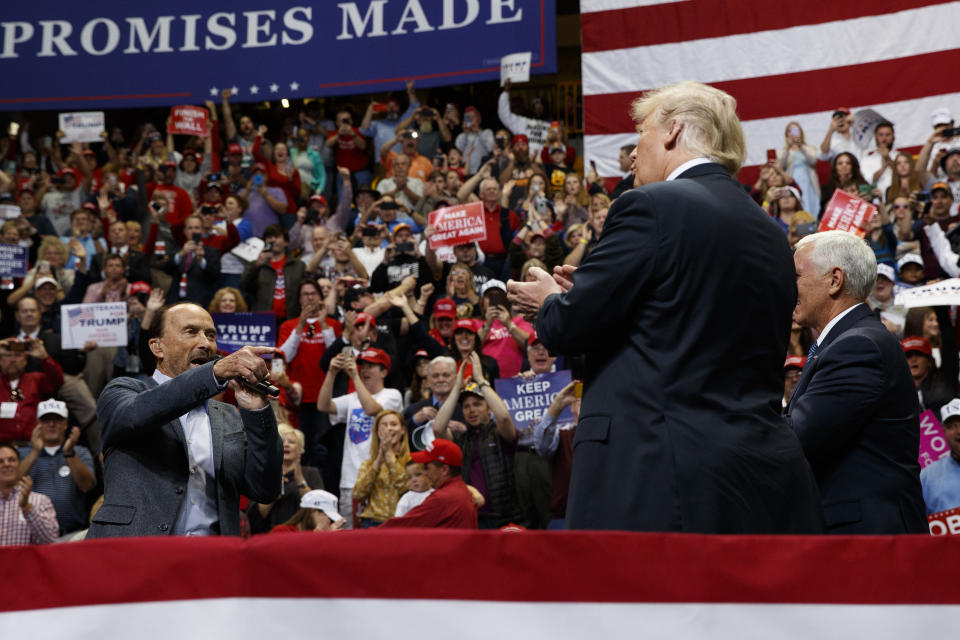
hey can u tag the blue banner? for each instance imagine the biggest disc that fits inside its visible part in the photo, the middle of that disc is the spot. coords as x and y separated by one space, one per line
247 328
70 55
13 260
527 400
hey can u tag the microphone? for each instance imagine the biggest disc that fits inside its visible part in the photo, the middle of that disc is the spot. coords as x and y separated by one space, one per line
263 386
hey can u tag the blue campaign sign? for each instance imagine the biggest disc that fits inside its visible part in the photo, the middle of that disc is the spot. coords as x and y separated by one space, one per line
527 400
247 328
13 260
69 55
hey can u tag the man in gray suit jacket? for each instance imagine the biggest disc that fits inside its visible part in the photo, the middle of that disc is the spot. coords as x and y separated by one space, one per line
174 461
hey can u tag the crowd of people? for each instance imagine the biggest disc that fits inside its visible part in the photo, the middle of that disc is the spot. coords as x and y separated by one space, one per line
387 348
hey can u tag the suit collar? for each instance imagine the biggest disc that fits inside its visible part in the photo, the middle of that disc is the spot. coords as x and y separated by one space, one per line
707 168
856 314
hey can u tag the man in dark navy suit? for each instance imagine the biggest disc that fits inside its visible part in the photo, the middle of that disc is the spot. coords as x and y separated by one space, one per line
854 407
682 312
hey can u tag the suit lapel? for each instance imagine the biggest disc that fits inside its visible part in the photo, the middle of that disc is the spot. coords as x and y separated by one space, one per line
174 426
215 411
855 316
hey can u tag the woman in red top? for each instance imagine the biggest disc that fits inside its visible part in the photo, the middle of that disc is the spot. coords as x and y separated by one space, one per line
281 172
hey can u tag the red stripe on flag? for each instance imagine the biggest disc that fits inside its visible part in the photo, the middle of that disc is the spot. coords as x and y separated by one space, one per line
793 93
490 566
696 19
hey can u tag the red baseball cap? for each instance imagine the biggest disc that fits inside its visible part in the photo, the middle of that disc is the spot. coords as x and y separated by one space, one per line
169 164
440 450
533 339
259 166
89 152
375 356
795 361
445 308
363 318
318 198
520 137
138 287
68 171
846 110
918 344
466 323
421 353
234 149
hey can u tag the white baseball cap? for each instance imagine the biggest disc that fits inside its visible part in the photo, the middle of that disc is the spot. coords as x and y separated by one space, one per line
950 410
45 280
940 116
52 406
887 272
910 258
492 284
323 501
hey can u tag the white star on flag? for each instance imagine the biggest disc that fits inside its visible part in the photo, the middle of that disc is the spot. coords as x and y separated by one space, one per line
274 87
254 90
214 91
234 91
294 86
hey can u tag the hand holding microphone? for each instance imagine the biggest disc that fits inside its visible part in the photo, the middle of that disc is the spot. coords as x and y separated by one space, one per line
247 373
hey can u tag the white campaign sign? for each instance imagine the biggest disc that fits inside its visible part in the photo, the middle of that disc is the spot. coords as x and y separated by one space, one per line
103 322
515 67
865 124
82 126
945 292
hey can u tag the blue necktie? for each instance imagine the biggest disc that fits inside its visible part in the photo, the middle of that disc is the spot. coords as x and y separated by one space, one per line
813 350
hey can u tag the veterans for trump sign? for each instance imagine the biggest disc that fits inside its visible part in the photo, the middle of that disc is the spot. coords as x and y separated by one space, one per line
933 442
188 121
945 292
459 224
83 126
102 322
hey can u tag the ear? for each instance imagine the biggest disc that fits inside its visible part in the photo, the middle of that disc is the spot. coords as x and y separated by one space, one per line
838 280
156 348
670 141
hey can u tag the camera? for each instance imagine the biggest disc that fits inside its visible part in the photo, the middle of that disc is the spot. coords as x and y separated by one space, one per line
389 206
923 196
258 180
197 237
268 246
157 206
952 132
501 142
208 208
57 181
405 247
369 232
313 217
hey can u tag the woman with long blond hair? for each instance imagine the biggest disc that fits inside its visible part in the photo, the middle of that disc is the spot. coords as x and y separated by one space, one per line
799 160
382 478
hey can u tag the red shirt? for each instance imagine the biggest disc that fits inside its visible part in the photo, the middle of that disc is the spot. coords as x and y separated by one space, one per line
33 387
179 204
494 243
279 289
290 184
305 366
347 153
449 507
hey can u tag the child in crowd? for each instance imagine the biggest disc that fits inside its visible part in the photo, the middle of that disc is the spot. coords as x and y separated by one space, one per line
419 488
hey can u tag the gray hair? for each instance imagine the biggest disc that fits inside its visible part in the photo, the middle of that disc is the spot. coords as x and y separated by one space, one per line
447 360
708 115
849 253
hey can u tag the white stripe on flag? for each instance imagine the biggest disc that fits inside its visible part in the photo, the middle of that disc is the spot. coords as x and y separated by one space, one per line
911 119
767 53
590 6
258 618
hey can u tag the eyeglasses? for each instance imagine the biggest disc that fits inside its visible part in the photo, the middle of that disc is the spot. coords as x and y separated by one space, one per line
899 206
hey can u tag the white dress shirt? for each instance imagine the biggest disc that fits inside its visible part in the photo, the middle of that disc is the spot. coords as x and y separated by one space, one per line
199 512
689 164
836 319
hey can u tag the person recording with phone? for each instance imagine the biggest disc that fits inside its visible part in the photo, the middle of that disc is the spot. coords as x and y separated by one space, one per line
272 281
195 267
264 204
176 461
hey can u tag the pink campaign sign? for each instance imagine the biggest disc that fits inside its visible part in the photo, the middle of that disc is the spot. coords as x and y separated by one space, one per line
933 444
459 224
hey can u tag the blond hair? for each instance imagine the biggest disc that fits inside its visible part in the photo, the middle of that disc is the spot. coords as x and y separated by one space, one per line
708 116
285 429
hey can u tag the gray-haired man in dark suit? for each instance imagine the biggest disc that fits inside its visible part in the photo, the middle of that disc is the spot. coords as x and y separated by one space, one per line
175 462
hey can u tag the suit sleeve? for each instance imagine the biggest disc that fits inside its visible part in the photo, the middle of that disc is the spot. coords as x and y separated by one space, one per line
125 409
615 277
263 474
841 396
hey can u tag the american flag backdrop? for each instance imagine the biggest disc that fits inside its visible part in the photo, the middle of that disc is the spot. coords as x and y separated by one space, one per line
782 60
